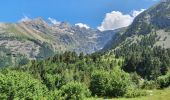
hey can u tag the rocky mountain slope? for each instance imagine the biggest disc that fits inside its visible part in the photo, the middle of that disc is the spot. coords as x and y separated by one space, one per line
37 39
152 27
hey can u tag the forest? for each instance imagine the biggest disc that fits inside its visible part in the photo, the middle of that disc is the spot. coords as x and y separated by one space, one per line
70 76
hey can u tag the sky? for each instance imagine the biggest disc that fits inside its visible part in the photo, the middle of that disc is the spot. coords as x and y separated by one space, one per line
101 14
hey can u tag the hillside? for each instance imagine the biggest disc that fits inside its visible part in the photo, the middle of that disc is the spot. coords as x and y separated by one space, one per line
154 21
37 39
145 43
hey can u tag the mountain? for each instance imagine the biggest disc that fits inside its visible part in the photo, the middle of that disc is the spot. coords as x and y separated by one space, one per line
152 26
144 45
37 39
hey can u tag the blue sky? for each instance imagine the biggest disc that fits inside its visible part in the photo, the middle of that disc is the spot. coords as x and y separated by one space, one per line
90 12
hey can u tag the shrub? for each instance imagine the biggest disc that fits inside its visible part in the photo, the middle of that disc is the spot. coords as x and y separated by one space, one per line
150 85
164 81
55 95
112 84
99 83
74 91
49 81
119 83
137 80
20 85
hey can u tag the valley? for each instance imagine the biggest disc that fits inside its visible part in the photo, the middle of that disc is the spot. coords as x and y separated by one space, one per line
40 60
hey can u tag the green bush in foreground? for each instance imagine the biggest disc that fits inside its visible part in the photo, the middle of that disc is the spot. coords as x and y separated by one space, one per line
112 84
119 83
150 85
74 91
164 81
99 83
20 85
55 95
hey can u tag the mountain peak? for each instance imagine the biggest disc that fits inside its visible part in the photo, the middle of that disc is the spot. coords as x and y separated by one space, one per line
65 25
38 20
34 22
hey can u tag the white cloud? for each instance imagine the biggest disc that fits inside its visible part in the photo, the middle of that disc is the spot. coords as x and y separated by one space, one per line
24 19
116 19
81 25
53 21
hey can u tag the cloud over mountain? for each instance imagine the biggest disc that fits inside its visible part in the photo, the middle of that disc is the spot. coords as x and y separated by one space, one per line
81 25
117 19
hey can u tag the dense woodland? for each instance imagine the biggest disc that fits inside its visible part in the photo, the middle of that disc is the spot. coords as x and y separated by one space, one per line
70 76
143 57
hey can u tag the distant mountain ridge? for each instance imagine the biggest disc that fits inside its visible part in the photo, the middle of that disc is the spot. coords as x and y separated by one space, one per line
37 39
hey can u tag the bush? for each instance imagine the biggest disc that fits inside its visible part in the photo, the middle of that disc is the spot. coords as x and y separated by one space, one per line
116 83
150 85
137 80
99 83
74 91
164 81
119 83
20 85
53 81
55 95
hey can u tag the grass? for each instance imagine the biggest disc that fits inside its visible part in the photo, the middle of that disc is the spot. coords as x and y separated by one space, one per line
154 95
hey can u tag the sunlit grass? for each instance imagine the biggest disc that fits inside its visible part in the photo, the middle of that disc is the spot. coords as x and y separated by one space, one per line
154 95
